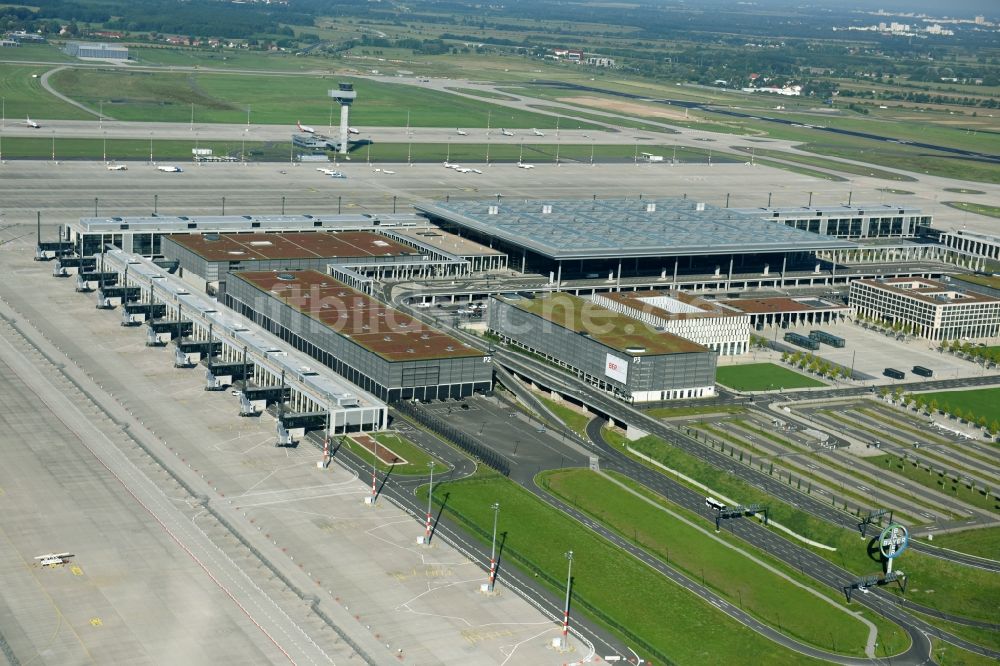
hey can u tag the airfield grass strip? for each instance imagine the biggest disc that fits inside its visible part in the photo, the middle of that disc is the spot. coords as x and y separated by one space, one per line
622 593
756 590
935 583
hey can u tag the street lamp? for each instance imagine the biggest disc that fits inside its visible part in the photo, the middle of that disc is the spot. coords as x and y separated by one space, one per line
223 205
493 551
569 584
430 496
374 462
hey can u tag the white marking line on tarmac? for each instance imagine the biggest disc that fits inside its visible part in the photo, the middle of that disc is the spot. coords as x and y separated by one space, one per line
296 499
291 490
513 648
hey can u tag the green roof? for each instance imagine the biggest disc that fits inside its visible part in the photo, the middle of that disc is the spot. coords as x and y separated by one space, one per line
984 280
618 331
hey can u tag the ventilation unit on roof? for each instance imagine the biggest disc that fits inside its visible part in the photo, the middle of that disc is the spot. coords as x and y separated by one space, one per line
211 237
449 348
286 276
387 339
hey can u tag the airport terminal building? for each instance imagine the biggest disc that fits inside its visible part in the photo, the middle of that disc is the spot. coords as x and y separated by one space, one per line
207 259
937 311
613 352
386 352
616 238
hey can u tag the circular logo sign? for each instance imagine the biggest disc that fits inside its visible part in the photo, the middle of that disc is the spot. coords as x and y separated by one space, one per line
893 541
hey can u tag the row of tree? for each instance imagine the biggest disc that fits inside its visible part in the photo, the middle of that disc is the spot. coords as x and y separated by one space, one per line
814 364
930 405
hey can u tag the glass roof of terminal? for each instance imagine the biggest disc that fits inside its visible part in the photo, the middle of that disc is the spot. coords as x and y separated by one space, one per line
606 228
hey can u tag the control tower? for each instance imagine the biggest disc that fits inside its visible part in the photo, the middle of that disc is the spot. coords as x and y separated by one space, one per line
344 94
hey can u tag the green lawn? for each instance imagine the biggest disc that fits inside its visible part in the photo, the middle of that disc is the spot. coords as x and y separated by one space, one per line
24 96
621 121
983 542
224 98
510 149
487 94
946 654
944 481
762 377
41 147
982 402
830 164
576 421
977 208
805 171
757 590
672 621
933 582
416 458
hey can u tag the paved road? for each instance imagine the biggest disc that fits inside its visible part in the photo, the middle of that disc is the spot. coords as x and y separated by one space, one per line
402 492
289 639
806 562
623 413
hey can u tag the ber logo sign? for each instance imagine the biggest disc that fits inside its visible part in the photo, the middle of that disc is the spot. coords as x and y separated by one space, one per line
616 368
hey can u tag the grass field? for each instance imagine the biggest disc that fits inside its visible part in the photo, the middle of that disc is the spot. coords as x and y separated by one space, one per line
984 542
486 94
621 121
805 171
971 493
832 165
762 377
224 98
576 421
41 147
962 190
416 458
946 654
24 96
536 537
977 208
509 151
757 590
982 402
933 582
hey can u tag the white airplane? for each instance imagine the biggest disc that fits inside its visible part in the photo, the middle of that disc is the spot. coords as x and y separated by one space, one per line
538 132
451 165
117 167
51 559
305 128
462 132
388 172
353 130
169 169
522 165
506 132
32 124
475 170
462 169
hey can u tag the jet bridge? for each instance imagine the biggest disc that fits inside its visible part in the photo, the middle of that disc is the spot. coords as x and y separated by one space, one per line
235 349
